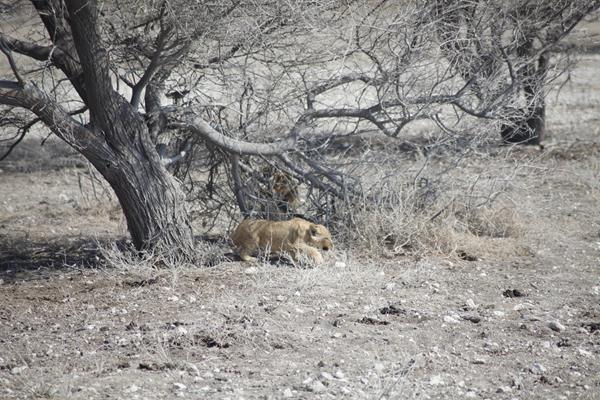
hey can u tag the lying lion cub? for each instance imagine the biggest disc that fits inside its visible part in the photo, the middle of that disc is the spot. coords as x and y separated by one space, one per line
297 237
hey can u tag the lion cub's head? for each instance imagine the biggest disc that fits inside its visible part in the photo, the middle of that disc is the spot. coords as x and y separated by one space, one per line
319 236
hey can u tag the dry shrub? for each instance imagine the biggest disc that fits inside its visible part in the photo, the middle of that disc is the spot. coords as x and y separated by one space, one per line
121 255
414 221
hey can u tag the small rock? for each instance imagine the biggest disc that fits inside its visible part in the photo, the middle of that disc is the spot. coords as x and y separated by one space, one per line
18 370
472 318
504 389
316 387
519 307
251 270
132 389
339 374
556 326
280 298
339 264
436 380
364 380
326 375
537 369
498 313
287 393
307 381
513 293
585 353
478 361
470 395
470 304
451 319
179 386
181 331
379 367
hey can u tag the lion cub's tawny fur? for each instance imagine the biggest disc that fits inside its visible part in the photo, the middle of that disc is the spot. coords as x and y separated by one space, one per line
296 237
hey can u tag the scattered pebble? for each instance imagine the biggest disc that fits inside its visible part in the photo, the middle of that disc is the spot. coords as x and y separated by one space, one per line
470 304
436 380
132 389
316 387
339 264
451 319
326 375
556 326
472 318
513 293
287 393
179 386
251 270
504 389
18 370
519 307
339 374
498 313
537 369
585 353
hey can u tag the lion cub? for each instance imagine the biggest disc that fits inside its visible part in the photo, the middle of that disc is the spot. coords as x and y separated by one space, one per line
297 237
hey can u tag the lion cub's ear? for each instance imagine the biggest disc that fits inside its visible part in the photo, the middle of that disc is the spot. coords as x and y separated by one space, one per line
313 230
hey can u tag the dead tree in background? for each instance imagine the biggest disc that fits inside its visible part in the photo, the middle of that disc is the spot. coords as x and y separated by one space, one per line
513 41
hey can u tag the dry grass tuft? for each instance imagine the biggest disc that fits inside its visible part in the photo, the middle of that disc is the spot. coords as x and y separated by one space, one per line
411 222
119 255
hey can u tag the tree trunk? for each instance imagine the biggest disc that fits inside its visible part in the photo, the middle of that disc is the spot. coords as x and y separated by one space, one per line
153 203
529 126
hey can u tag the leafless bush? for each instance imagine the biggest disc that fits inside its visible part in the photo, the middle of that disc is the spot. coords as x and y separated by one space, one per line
412 220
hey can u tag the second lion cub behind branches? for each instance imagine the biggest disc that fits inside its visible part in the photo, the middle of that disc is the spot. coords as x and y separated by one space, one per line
297 237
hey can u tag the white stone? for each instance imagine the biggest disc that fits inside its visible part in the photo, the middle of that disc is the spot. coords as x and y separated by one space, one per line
451 319
537 369
436 380
18 370
556 326
132 389
585 353
326 375
179 386
316 387
287 393
181 331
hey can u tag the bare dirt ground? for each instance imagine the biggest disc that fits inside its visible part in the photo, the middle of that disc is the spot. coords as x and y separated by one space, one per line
519 321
